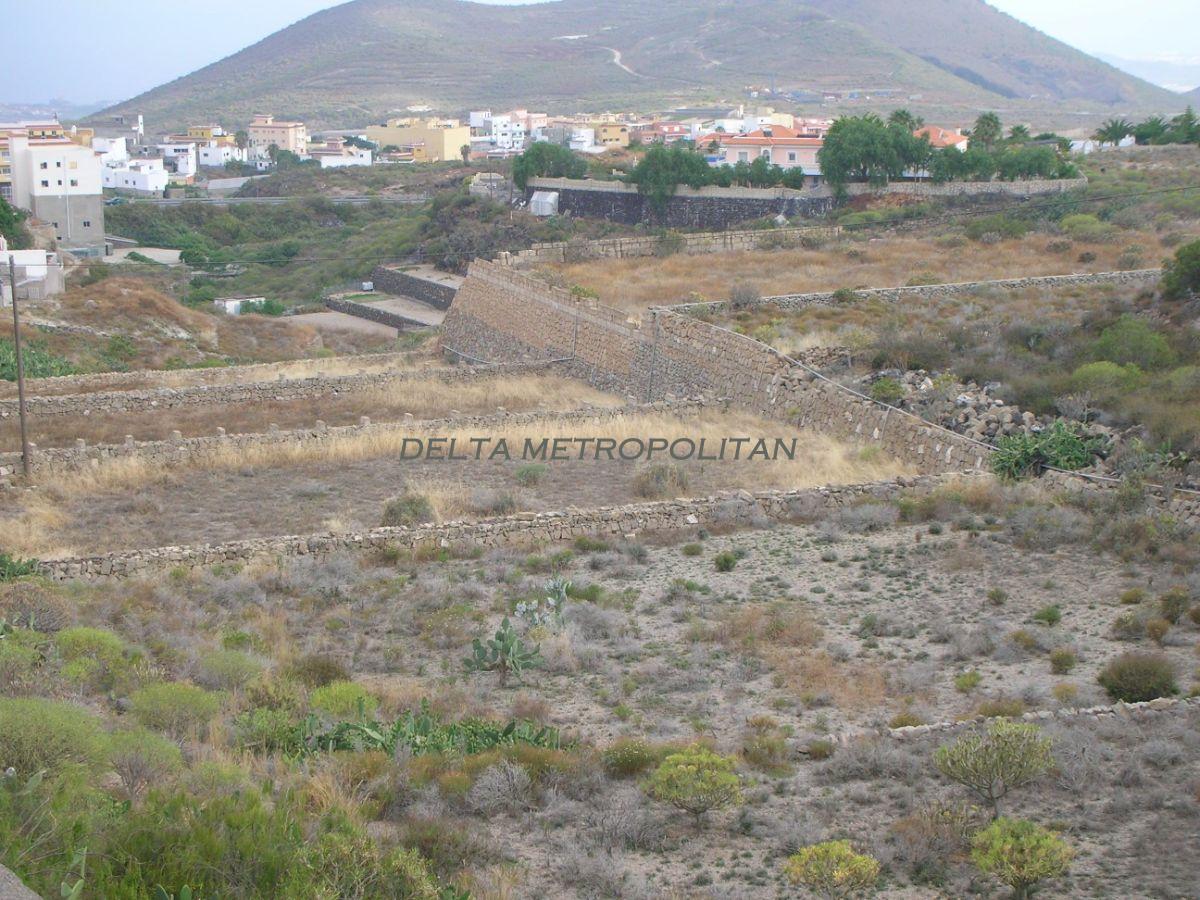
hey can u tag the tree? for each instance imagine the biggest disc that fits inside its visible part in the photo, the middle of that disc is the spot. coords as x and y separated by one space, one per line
987 131
1181 274
662 169
503 654
241 139
1113 131
991 763
859 148
351 140
1185 128
1019 134
546 160
832 869
1020 854
902 118
465 152
696 780
12 226
1152 131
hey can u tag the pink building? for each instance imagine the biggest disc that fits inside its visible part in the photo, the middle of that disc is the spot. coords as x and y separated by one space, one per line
781 146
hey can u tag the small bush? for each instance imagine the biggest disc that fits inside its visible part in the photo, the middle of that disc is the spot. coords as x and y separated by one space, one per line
407 509
45 734
1173 605
832 869
1019 455
1020 854
143 759
174 707
530 474
660 480
905 719
344 700
1086 227
316 671
696 780
725 561
744 295
887 390
819 749
997 596
1048 615
1133 596
692 549
630 756
993 762
1156 630
228 669
967 681
1137 677
1001 708
1062 660
1133 341
1181 273
1128 627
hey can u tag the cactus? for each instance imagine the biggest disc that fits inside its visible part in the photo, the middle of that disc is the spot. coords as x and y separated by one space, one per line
503 654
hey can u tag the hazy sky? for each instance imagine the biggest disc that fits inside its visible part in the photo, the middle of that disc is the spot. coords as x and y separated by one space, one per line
87 50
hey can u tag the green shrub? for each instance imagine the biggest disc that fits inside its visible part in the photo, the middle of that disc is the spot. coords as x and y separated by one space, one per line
725 561
819 748
692 549
530 474
967 681
12 567
229 669
504 653
1001 708
266 730
143 759
1062 660
1048 615
887 390
174 707
1133 341
660 480
1137 677
992 762
1156 630
906 719
1020 854
314 670
1059 446
1181 273
832 869
696 780
1133 596
630 756
95 658
407 509
1173 605
999 224
1107 379
46 734
344 700
1086 227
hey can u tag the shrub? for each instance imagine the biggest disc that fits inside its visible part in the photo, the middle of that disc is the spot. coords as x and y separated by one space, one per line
725 561
46 734
1106 379
26 604
1020 854
997 596
1128 627
503 787
344 700
174 707
1156 630
1060 446
1174 604
12 567
765 745
94 657
1133 596
407 509
530 474
1137 677
832 869
142 759
228 669
504 654
887 390
1181 273
692 549
1001 708
845 296
743 295
992 762
1132 341
819 748
967 681
696 780
1048 615
906 719
630 756
1086 227
266 730
660 480
314 670
1000 224
1062 660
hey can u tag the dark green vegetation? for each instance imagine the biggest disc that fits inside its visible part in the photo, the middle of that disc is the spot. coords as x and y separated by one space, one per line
37 360
550 160
388 54
12 226
1154 131
301 181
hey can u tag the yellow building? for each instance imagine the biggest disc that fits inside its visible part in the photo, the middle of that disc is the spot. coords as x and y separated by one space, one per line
265 132
612 134
441 139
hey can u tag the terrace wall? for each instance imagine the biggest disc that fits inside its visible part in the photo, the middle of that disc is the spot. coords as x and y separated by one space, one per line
396 281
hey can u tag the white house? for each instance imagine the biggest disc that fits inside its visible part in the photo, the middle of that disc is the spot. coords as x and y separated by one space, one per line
337 154
39 274
60 182
217 154
139 176
112 151
232 306
179 158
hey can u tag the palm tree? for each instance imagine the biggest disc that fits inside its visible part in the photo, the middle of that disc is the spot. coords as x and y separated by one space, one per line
1150 131
1113 131
987 131
902 118
1019 134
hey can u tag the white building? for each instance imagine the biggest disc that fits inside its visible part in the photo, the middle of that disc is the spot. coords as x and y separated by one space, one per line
336 154
218 154
60 182
139 176
39 274
232 306
179 158
112 151
582 140
478 119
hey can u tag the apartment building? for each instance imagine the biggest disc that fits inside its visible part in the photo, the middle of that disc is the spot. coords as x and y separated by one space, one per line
57 180
337 154
612 134
780 146
265 132
441 139
147 176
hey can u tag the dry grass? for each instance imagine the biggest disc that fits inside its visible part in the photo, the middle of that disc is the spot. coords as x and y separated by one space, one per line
423 398
886 262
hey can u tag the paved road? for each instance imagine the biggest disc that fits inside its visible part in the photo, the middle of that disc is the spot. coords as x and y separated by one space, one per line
275 201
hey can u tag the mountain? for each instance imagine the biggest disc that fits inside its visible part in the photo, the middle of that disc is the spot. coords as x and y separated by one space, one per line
358 62
1174 75
1192 96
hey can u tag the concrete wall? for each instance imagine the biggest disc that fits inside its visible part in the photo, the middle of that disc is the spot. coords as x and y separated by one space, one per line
658 245
1140 278
514 317
396 281
736 508
372 313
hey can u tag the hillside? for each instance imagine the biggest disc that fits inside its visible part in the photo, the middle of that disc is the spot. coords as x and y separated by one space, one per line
358 62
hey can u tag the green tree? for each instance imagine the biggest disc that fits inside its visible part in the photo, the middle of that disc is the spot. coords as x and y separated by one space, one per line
241 139
1185 128
1181 273
1113 131
859 148
1020 854
543 159
987 132
12 226
902 118
1151 131
832 869
1019 134
993 762
662 169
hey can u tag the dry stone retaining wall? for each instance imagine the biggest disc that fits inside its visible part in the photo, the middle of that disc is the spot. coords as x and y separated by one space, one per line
1141 278
733 508
372 314
283 389
511 316
396 281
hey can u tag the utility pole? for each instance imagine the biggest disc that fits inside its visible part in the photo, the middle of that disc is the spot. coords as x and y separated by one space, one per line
12 285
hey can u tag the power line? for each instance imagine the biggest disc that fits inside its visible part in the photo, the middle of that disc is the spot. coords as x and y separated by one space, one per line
948 218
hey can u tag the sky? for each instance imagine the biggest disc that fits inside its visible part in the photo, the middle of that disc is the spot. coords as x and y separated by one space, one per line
102 51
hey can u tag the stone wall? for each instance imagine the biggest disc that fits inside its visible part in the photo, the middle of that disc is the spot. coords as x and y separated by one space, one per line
659 245
711 208
314 388
393 280
372 313
511 316
973 189
192 451
1139 278
739 508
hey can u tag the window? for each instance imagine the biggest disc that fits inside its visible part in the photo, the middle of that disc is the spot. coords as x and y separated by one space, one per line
74 182
72 165
87 223
743 156
58 164
792 156
54 224
765 151
44 165
45 183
